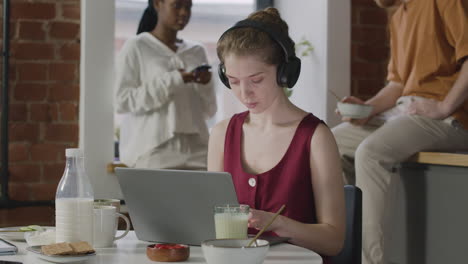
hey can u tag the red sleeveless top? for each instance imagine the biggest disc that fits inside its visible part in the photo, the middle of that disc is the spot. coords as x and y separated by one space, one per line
289 182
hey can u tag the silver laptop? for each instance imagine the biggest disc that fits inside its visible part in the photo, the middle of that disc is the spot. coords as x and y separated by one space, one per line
174 206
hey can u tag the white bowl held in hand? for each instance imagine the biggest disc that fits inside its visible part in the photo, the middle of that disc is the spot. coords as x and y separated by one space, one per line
234 251
355 111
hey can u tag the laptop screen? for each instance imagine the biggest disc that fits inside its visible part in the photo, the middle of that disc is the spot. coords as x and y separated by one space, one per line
174 206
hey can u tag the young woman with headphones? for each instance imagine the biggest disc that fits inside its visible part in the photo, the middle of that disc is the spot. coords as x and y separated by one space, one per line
276 152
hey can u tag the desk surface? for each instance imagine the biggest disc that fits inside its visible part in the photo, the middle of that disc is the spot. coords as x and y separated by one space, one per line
131 250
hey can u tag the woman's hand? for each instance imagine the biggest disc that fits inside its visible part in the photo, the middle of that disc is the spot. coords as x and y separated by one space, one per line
258 219
429 108
187 76
202 77
357 122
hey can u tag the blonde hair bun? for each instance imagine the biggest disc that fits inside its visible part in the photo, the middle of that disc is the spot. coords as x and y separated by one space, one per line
272 11
270 15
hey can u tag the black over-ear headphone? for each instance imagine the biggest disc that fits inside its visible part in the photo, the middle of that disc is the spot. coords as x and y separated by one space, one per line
288 70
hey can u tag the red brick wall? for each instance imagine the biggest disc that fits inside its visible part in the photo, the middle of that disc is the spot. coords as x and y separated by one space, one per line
369 48
44 97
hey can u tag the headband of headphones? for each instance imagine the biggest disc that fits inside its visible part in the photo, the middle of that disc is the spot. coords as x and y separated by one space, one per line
285 42
288 70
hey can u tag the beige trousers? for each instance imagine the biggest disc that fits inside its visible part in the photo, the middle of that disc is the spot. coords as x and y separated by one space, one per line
371 153
183 152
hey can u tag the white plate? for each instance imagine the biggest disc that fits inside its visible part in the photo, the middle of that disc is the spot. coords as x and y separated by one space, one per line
18 236
59 259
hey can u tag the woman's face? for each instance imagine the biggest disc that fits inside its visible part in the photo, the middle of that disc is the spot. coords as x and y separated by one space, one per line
174 14
252 81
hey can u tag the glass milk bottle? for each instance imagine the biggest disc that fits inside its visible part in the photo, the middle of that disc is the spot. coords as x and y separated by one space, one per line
74 201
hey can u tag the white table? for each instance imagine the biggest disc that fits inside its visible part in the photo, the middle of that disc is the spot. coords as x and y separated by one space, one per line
132 250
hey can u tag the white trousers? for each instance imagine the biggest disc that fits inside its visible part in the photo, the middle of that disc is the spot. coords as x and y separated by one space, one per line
370 153
183 152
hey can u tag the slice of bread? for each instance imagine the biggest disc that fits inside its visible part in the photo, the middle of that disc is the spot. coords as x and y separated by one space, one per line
81 247
57 249
76 248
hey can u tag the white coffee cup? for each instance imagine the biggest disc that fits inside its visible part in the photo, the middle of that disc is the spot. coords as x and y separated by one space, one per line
108 202
105 226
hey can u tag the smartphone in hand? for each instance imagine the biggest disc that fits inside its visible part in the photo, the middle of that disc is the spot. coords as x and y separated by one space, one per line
203 67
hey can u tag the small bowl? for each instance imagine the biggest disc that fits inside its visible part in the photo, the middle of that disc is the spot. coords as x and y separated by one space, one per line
355 111
168 252
234 251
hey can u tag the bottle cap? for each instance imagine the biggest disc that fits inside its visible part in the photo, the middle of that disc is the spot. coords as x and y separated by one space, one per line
73 152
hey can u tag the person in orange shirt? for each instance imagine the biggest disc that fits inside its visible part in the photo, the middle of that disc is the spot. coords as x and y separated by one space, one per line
424 106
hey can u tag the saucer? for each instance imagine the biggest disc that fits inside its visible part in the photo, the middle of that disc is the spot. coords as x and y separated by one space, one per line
59 258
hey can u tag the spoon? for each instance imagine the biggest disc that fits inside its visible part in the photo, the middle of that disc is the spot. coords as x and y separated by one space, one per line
336 96
267 225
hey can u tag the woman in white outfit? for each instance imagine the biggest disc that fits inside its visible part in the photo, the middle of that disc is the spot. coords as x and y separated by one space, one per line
164 102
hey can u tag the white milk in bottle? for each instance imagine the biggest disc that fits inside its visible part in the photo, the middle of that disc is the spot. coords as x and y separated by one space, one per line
74 202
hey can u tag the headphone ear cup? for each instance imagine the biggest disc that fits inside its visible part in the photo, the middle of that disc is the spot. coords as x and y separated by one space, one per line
288 72
292 70
222 75
281 77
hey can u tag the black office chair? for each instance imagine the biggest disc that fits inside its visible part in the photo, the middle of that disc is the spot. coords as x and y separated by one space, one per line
351 252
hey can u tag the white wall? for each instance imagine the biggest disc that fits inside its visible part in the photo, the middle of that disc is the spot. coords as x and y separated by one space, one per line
96 94
327 25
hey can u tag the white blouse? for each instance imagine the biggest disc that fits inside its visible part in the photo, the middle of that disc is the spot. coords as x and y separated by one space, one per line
153 97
